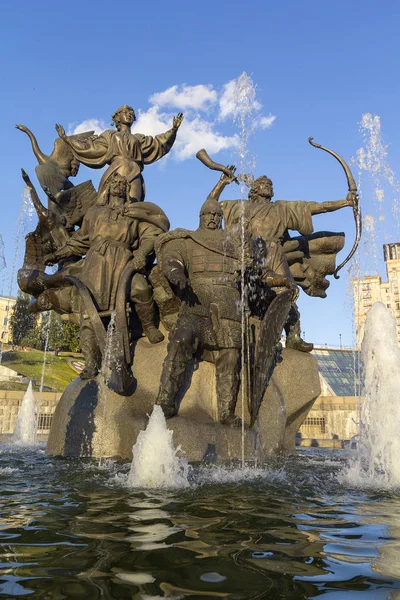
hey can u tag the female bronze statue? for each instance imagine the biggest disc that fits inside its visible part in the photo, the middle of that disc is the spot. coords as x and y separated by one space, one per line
125 152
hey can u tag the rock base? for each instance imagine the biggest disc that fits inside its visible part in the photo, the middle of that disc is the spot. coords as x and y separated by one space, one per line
92 421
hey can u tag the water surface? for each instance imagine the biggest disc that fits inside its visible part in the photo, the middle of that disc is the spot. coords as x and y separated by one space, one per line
70 529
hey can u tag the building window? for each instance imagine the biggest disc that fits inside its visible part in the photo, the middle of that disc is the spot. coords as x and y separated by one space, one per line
5 321
315 423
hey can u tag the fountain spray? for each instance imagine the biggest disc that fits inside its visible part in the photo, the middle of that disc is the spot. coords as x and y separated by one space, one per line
243 115
105 374
24 218
376 462
25 427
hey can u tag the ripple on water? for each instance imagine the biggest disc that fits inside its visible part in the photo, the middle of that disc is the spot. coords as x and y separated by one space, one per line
291 529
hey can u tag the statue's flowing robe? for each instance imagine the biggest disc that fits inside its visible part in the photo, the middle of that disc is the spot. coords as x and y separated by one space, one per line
309 257
125 152
110 237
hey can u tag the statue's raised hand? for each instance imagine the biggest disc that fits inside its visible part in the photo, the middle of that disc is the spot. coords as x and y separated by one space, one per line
60 130
177 121
225 178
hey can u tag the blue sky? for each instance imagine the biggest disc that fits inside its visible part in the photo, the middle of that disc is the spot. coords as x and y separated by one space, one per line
317 66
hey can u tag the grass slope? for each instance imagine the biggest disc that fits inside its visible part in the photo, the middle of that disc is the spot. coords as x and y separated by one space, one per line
58 374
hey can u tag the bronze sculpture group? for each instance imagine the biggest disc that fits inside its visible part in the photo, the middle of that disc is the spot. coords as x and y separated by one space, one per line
223 294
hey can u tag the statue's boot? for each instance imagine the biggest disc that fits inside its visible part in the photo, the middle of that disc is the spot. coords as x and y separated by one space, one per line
145 312
293 330
297 343
172 378
227 390
90 351
92 362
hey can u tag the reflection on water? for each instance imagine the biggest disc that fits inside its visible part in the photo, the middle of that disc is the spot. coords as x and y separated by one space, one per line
291 530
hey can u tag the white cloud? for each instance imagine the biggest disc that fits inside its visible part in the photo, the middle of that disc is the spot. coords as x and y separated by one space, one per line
199 133
194 133
96 125
151 122
204 109
226 100
184 97
266 122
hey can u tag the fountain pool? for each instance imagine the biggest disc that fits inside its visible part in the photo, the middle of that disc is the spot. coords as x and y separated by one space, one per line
291 529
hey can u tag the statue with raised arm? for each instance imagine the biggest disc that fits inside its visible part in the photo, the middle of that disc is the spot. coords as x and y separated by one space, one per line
308 258
125 152
204 269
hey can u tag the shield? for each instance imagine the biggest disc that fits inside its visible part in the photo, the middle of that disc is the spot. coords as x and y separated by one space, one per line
266 348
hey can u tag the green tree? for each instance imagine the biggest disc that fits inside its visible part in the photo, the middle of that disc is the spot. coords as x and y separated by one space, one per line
53 325
32 339
62 335
72 341
22 322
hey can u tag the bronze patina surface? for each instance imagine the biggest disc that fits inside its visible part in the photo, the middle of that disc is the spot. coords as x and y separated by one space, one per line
223 295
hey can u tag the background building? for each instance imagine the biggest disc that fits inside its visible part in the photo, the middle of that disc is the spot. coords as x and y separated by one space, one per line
372 289
6 307
335 414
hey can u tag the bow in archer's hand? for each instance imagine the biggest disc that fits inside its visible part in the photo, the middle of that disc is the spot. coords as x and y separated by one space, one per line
355 202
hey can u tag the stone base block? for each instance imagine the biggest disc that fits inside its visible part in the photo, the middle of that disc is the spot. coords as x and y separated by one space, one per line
92 421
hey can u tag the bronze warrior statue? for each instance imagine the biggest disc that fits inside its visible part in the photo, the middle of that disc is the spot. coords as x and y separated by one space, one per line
126 153
117 237
305 259
204 267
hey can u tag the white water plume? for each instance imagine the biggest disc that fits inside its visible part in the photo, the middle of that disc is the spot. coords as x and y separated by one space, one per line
46 344
21 228
372 158
105 375
244 101
156 463
25 427
376 462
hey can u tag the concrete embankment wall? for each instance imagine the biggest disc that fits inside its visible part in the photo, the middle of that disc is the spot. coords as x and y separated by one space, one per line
10 402
331 420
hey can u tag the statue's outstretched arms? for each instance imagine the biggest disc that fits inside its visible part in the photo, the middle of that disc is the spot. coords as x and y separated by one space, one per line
90 151
224 180
177 121
317 208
